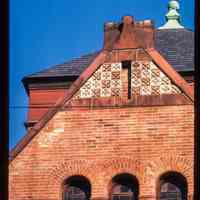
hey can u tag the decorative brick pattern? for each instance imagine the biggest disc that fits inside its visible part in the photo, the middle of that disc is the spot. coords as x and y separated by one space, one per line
171 162
105 82
148 79
100 172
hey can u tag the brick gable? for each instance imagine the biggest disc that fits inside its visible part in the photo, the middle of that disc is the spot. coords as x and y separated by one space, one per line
129 112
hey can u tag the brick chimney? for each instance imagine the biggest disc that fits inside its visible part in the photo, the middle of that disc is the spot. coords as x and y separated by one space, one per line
128 34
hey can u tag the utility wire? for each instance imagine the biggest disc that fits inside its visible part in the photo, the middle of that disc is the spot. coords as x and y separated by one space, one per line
71 106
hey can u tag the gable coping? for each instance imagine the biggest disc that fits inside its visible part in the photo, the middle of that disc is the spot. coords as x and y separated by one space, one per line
58 105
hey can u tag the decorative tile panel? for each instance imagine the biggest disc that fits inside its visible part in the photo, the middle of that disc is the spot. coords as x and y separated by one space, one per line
105 82
148 79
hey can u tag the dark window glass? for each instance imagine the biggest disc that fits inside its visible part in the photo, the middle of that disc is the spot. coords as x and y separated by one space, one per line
170 191
74 193
122 192
173 186
115 197
124 187
76 188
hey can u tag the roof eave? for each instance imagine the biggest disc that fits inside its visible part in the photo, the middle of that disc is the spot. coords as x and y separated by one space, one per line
46 79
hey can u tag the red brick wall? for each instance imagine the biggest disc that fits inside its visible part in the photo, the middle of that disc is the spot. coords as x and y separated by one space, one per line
101 143
41 99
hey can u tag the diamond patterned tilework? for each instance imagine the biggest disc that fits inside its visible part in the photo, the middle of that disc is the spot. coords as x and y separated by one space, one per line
105 82
148 79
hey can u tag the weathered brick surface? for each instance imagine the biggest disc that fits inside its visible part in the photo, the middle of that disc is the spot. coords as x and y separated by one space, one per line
101 143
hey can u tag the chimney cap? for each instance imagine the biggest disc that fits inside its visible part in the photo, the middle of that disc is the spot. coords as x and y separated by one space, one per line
127 19
148 22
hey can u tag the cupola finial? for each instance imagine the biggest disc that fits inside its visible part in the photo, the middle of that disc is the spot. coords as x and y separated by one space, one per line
173 16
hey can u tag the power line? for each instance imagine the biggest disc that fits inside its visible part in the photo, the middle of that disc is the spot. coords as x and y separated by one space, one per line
78 106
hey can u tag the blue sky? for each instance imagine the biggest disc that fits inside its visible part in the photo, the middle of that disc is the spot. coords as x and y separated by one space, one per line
48 32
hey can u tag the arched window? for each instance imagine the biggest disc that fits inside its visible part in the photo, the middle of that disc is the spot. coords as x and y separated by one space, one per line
124 187
76 188
173 186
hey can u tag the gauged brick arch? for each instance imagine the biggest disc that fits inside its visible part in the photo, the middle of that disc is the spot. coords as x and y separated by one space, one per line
170 162
111 168
67 169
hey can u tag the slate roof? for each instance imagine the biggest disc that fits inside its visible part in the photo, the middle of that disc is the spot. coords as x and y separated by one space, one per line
175 45
70 68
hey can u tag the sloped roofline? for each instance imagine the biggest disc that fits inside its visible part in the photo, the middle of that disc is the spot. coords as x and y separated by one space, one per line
100 58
